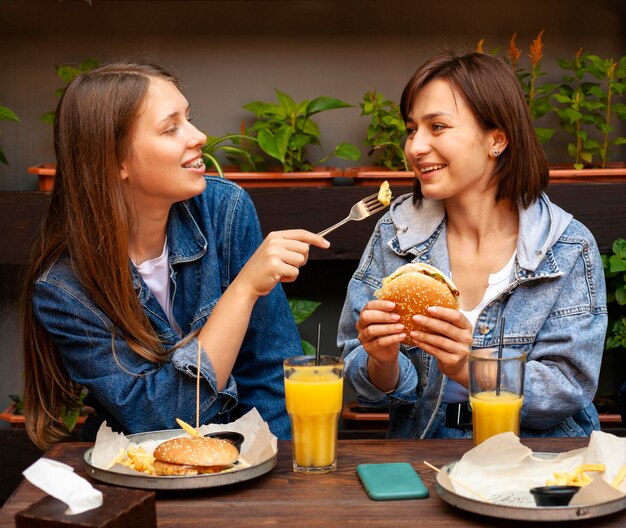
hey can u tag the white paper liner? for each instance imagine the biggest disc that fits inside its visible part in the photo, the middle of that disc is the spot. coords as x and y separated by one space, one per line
502 470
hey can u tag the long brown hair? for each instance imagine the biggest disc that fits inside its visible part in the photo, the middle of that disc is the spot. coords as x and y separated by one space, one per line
495 97
90 219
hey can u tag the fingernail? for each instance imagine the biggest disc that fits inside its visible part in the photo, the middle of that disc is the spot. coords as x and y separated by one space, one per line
432 309
418 318
326 243
398 327
395 317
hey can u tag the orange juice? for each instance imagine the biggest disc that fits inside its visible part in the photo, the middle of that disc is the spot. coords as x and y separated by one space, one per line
493 414
314 396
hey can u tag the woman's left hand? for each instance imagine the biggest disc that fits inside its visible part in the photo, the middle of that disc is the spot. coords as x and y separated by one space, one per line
447 336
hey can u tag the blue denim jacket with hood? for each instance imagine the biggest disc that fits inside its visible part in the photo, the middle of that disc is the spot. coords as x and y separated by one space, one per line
210 238
555 310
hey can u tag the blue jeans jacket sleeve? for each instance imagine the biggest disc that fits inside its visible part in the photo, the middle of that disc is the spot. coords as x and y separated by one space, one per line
139 394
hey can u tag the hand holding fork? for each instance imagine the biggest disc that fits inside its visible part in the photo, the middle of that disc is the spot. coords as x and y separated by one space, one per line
360 210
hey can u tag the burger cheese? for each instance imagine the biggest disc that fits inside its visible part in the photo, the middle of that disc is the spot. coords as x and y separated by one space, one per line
194 456
415 287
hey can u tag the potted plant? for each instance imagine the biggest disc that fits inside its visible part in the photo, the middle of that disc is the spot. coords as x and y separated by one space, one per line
386 133
282 133
72 418
66 72
6 114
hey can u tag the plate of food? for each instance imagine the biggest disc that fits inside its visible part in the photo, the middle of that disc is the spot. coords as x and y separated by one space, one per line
516 505
174 459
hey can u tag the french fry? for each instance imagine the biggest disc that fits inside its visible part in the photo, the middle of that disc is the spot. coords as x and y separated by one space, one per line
191 431
139 460
577 477
619 478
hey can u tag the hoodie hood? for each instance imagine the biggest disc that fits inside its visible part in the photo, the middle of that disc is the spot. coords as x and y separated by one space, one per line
540 226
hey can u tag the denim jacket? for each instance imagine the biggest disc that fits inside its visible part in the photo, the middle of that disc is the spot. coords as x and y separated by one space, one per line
210 237
555 310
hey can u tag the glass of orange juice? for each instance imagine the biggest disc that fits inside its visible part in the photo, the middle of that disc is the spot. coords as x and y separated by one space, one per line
496 407
313 394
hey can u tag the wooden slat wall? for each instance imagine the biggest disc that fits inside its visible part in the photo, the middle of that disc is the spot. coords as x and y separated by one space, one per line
600 206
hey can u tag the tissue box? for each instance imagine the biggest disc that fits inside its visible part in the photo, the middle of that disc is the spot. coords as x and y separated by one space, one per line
121 507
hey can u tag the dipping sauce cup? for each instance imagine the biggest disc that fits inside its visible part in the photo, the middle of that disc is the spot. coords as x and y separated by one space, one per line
496 406
314 397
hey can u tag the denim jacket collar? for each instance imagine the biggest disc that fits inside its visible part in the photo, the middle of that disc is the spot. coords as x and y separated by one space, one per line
185 240
540 226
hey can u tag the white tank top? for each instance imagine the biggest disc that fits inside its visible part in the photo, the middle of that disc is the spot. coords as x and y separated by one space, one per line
498 282
156 274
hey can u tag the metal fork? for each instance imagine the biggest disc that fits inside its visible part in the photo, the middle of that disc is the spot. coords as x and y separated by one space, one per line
360 210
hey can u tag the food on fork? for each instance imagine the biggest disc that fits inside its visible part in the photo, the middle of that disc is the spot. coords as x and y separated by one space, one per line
194 456
414 288
384 193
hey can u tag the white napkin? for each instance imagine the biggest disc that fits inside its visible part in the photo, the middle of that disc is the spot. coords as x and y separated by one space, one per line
60 481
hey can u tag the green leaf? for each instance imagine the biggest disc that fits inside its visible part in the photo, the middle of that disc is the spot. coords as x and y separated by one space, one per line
620 296
620 141
347 151
321 104
307 348
6 114
286 102
572 115
255 107
47 118
268 142
67 73
544 134
3 158
302 309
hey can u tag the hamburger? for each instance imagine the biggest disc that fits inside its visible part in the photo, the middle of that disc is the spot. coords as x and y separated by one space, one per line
415 287
188 456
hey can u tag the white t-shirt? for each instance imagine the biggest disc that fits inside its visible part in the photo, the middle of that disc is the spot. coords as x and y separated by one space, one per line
498 282
156 274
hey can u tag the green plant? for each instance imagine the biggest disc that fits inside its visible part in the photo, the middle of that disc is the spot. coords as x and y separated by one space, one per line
6 114
615 273
285 130
589 98
67 73
238 151
18 402
301 310
386 131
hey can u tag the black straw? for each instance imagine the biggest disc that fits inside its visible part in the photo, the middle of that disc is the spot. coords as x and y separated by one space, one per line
500 345
317 348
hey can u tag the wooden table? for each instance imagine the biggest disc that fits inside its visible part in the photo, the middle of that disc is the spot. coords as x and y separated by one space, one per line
284 498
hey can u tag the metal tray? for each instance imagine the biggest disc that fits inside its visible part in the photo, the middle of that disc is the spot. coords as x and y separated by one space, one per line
501 511
143 481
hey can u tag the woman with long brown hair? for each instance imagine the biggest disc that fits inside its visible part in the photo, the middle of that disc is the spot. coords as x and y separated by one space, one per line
141 260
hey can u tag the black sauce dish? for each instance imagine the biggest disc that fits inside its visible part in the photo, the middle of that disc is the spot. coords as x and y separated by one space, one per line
230 436
554 495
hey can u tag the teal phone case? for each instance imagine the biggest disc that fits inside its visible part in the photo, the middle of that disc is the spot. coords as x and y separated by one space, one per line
391 481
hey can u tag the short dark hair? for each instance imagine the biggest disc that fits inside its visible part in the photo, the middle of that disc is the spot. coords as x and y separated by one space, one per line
495 96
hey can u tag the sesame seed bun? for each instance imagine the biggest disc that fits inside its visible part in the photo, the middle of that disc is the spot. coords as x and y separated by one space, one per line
415 287
193 456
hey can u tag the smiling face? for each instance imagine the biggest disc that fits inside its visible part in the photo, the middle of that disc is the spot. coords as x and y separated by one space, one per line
446 147
164 164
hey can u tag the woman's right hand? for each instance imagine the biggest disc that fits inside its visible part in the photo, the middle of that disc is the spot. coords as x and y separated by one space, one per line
278 259
380 333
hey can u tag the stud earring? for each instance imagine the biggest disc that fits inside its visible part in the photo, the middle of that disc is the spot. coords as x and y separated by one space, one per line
496 153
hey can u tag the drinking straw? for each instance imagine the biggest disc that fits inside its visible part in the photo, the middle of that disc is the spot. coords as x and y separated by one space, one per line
500 345
317 347
198 387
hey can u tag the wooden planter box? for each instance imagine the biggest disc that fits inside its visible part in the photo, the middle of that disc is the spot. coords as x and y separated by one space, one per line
17 420
374 176
319 177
